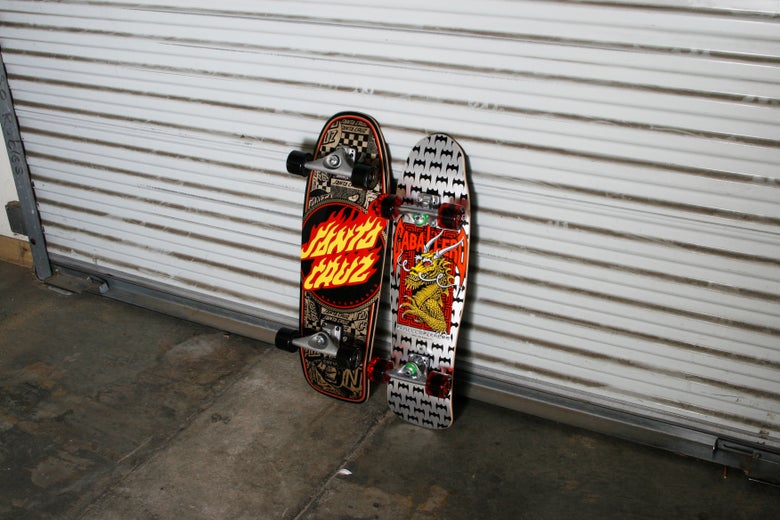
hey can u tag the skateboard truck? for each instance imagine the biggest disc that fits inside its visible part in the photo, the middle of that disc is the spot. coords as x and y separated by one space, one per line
424 210
342 161
415 370
326 341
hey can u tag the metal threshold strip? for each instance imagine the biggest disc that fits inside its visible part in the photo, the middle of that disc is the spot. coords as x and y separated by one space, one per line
78 277
759 463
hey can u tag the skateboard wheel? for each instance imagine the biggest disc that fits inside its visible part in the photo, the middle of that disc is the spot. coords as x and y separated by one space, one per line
364 176
284 339
387 206
438 384
296 161
451 216
379 370
348 357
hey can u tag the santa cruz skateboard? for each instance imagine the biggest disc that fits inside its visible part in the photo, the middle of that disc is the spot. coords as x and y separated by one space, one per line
430 251
343 246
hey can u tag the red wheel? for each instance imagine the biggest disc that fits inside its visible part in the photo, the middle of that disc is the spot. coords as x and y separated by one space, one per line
387 207
438 384
451 216
379 370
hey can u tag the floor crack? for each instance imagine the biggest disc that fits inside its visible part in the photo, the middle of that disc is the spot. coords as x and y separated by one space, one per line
357 450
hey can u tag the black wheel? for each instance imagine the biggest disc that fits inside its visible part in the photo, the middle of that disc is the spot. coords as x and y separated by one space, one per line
296 161
438 384
379 370
451 216
284 339
364 176
348 357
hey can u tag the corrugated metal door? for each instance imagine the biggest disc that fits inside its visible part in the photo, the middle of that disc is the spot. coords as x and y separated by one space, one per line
625 160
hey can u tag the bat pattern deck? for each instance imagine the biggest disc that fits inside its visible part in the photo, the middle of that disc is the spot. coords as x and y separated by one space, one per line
427 309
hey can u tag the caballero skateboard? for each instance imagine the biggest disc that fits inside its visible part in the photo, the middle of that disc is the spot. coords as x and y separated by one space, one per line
343 244
430 253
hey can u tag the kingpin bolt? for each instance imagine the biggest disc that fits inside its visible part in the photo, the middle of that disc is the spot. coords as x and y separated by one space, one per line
333 161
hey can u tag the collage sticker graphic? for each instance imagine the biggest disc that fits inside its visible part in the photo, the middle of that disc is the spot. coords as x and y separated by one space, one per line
343 255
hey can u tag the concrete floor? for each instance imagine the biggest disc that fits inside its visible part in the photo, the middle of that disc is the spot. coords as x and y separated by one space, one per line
111 411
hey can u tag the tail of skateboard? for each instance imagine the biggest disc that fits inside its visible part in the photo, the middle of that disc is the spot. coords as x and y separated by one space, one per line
343 247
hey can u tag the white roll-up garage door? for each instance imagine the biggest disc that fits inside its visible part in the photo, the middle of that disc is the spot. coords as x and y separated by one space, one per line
625 167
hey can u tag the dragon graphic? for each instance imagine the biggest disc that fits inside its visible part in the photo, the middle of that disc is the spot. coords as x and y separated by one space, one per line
428 280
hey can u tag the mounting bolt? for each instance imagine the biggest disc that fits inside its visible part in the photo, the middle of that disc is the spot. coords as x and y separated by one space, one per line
333 161
319 341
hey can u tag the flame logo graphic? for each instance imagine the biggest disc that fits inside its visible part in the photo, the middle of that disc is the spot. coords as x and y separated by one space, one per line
343 249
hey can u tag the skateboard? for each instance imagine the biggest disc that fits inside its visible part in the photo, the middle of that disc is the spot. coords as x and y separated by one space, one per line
343 246
430 252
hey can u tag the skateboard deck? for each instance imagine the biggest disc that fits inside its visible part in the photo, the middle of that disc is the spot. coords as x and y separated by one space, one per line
343 245
430 251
